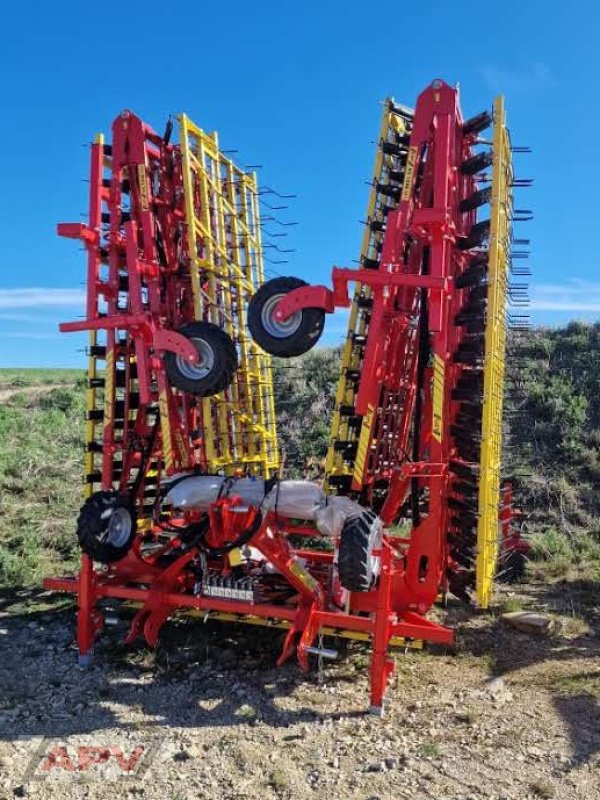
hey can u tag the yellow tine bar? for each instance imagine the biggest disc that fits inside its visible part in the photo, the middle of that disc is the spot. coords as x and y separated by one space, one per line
494 359
223 239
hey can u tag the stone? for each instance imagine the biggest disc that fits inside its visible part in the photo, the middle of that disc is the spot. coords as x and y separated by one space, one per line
535 752
495 685
376 766
529 622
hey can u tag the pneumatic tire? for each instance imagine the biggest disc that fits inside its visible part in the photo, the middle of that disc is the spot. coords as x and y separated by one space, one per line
218 361
106 526
292 337
358 568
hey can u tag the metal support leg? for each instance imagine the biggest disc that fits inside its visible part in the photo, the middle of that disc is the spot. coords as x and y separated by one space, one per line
89 620
382 666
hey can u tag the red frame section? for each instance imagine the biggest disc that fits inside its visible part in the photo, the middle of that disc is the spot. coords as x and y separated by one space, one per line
420 255
139 293
511 539
388 611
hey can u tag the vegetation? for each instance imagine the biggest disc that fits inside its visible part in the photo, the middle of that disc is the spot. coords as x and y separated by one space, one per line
305 390
22 378
552 452
41 427
552 442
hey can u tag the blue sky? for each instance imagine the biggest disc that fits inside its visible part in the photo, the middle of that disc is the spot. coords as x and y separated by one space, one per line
295 87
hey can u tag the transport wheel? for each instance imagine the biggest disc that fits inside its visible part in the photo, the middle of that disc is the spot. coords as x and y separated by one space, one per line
216 367
358 568
106 526
291 337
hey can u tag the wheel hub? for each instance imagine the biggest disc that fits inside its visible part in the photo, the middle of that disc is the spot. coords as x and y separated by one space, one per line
279 329
119 527
206 361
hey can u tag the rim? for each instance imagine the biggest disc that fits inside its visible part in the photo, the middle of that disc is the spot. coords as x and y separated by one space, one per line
279 329
375 561
196 372
119 527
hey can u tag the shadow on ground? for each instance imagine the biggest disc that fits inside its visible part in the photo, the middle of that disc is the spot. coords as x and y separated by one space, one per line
222 676
200 675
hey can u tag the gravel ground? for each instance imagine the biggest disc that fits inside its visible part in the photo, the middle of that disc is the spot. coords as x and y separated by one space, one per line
503 715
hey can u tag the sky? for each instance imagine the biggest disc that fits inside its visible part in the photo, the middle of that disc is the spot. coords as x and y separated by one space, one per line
296 88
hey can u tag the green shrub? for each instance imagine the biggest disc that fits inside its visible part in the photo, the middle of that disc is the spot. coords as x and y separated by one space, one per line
60 399
551 544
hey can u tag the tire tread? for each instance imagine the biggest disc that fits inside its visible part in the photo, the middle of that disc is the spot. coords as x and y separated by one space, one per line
91 525
356 544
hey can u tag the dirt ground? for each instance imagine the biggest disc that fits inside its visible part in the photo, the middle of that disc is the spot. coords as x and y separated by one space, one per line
502 715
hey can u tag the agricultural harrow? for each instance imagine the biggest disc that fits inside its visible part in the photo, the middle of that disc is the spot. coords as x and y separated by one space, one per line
187 506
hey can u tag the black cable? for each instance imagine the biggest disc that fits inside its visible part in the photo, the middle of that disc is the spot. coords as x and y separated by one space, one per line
163 490
194 533
224 488
145 457
270 483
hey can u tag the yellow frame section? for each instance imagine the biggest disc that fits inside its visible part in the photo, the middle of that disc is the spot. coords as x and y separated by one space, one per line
494 359
225 251
282 624
91 398
334 464
90 427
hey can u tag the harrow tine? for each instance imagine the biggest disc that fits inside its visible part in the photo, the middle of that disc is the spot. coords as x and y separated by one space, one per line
477 124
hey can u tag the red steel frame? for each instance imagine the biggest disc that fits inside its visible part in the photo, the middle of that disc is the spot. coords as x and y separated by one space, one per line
511 538
157 295
138 293
428 216
388 611
423 230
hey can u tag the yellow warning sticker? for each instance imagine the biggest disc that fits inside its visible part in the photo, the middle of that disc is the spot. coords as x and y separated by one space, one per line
181 450
362 449
108 387
303 576
438 398
411 160
165 429
143 183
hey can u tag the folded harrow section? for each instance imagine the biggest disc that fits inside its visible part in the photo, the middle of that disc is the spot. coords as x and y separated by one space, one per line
138 425
174 251
225 255
499 252
478 391
348 455
416 432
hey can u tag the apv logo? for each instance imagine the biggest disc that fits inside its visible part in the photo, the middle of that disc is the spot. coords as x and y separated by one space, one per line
66 759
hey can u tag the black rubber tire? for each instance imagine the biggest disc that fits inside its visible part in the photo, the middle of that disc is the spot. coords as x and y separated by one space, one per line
305 335
93 526
360 535
224 360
